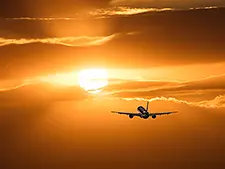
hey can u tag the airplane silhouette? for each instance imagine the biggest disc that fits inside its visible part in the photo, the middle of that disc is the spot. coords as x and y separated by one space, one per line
144 113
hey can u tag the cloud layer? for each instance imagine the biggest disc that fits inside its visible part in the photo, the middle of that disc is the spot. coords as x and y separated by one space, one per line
178 92
217 102
206 88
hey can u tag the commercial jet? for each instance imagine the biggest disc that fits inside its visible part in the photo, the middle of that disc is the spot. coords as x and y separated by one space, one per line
144 113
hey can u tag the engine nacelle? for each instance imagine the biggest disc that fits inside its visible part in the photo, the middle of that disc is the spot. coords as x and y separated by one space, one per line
153 116
141 110
131 116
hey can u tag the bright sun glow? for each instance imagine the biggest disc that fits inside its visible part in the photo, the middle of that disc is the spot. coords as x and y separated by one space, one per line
93 80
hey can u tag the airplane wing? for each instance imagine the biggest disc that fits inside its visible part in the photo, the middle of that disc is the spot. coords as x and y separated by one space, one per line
163 113
126 113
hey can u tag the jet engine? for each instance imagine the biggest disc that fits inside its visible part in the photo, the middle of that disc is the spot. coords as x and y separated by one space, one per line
154 116
131 116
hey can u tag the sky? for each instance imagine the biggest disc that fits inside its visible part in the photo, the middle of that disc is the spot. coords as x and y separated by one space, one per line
168 52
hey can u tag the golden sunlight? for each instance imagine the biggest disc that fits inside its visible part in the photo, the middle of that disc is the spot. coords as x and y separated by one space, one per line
65 79
93 80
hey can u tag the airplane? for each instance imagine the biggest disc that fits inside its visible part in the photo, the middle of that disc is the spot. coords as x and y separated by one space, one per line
144 113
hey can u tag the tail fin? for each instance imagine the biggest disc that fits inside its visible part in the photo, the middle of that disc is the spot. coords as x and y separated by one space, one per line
147 105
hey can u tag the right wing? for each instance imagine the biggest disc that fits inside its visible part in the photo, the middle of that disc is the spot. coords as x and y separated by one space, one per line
163 113
126 113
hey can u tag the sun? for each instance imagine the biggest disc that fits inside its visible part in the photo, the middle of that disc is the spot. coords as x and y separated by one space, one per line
93 80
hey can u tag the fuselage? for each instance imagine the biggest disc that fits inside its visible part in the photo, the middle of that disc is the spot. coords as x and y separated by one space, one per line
144 113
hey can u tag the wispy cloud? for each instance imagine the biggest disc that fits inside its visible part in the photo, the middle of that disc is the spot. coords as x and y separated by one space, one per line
125 11
207 7
168 3
42 19
104 12
16 86
217 102
118 10
66 41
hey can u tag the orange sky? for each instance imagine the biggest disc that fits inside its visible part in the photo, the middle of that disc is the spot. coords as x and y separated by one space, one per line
167 52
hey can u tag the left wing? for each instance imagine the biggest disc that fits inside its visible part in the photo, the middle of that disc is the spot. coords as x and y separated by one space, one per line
163 113
126 113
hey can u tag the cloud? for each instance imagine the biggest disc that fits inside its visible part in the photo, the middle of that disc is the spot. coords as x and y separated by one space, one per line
120 10
169 3
41 19
104 12
217 102
210 87
125 11
132 85
15 87
34 93
99 12
66 41
212 82
195 90
209 7
158 39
